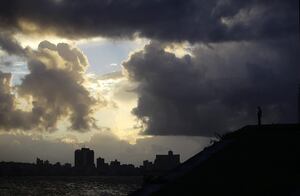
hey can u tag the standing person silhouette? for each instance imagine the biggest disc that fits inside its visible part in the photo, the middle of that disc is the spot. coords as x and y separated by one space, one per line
259 114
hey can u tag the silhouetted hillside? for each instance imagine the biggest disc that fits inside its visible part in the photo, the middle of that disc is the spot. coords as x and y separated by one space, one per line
255 160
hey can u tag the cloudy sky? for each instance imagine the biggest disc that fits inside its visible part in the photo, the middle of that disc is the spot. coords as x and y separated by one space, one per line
133 78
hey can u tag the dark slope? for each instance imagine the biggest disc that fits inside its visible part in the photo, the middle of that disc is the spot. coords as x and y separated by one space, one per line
254 160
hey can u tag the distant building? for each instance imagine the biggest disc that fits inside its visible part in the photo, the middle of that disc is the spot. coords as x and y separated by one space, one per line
128 169
84 158
147 165
166 162
47 163
101 165
100 162
67 165
115 164
39 161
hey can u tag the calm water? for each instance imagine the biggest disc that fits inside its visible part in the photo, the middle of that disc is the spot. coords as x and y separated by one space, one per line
68 185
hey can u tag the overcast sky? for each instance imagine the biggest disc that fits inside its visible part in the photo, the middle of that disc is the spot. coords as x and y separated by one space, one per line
132 78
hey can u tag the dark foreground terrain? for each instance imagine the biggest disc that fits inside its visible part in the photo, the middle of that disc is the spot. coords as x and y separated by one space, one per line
255 160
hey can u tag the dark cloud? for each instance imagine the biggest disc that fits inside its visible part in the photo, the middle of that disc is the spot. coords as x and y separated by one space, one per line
216 89
10 45
55 86
10 116
173 20
251 49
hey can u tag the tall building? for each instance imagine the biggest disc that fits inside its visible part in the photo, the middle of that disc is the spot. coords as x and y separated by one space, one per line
101 165
100 162
166 162
84 158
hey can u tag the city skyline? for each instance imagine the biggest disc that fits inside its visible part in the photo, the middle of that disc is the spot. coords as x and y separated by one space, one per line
92 161
84 164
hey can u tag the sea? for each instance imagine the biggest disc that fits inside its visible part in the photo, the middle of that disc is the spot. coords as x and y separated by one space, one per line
77 186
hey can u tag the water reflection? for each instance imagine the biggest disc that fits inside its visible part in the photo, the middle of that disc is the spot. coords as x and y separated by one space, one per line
78 186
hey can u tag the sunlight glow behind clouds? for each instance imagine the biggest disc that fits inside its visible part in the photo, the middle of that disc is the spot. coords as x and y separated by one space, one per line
113 87
105 57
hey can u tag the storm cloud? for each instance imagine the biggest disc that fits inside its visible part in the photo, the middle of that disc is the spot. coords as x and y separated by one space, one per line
171 20
243 54
215 89
55 88
10 116
10 45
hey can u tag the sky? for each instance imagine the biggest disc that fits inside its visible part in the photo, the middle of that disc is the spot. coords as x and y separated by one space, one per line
135 78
